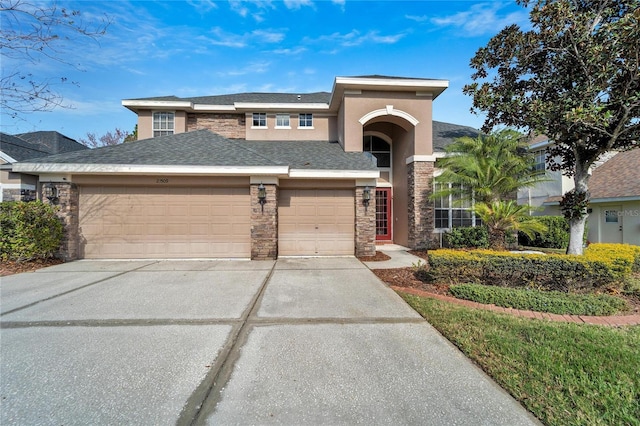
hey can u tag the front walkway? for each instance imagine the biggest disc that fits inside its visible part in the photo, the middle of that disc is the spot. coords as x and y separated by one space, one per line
401 258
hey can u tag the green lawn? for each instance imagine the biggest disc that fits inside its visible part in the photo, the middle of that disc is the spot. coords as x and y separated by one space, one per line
566 374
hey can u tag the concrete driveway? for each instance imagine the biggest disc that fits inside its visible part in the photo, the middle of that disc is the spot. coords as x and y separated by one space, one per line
297 341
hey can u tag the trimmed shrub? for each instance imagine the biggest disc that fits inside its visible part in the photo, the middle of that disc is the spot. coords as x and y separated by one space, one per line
549 272
28 231
467 237
624 258
554 302
556 236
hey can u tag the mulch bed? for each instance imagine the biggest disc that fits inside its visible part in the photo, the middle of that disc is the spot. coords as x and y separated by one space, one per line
11 267
378 257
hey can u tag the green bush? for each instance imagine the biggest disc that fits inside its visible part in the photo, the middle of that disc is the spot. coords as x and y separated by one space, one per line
554 302
601 269
556 236
467 237
28 231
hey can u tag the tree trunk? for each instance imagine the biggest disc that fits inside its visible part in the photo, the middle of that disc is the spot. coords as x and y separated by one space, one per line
576 225
497 239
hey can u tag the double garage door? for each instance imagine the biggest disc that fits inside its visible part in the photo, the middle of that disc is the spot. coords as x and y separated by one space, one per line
161 222
177 222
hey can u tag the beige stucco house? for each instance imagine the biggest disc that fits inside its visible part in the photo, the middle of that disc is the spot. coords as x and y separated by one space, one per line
260 175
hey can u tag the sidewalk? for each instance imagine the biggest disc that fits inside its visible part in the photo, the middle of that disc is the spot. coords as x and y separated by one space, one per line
400 257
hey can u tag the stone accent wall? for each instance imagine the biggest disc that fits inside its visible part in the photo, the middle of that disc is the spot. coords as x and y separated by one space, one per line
365 232
421 209
227 125
264 224
68 211
18 194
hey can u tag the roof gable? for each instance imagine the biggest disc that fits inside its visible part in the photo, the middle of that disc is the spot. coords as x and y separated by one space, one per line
617 178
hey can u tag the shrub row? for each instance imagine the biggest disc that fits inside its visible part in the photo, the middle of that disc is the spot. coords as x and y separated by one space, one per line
28 231
467 237
599 267
554 302
556 235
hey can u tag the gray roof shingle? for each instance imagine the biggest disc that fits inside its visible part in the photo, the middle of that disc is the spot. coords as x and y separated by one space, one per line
444 134
205 148
26 146
255 97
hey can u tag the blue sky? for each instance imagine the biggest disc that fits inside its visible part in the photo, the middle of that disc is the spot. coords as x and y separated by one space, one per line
200 48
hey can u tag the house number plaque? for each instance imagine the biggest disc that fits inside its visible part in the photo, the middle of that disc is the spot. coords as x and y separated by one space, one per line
162 180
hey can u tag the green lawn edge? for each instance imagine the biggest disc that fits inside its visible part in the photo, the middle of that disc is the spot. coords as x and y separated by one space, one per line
565 374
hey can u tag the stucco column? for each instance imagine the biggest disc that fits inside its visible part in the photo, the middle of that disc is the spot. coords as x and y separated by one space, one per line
420 208
67 204
365 232
264 223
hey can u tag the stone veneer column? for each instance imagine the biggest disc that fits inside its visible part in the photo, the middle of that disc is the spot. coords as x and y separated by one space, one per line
68 204
264 224
365 232
421 211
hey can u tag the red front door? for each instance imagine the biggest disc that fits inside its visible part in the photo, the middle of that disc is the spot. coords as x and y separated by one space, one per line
383 214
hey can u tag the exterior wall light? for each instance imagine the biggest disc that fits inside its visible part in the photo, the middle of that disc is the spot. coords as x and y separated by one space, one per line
366 196
262 196
50 192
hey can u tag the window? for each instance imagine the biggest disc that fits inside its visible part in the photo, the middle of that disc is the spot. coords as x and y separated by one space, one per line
163 123
306 120
540 157
282 121
452 212
379 148
259 119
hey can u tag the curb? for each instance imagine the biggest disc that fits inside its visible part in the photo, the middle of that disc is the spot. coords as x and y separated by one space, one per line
611 321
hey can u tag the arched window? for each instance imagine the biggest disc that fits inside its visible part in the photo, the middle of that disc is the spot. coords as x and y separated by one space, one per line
379 148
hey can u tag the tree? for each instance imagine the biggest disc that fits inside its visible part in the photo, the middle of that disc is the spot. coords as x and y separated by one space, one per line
30 33
488 168
117 137
573 77
485 171
133 136
501 217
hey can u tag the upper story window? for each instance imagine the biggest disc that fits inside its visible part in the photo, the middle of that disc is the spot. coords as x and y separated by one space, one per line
163 123
283 121
259 119
379 148
540 157
306 120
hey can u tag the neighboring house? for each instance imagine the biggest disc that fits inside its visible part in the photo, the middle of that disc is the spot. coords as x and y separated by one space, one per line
260 175
27 146
614 187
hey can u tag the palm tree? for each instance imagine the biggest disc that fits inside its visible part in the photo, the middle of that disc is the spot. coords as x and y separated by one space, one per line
502 217
487 168
483 172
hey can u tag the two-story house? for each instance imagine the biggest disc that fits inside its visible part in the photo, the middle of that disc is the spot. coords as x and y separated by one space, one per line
614 188
259 175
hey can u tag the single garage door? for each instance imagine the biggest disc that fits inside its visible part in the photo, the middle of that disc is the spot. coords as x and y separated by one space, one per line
164 222
316 222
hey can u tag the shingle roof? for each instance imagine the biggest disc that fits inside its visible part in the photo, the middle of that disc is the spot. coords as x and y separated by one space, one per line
617 178
445 134
230 99
26 146
205 148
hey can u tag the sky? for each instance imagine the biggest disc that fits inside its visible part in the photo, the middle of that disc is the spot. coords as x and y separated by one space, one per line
204 48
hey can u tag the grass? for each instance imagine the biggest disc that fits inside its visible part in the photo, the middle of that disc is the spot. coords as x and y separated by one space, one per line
565 374
554 302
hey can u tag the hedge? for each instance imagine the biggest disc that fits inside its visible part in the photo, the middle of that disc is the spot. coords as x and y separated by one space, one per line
554 302
601 266
556 236
467 237
28 231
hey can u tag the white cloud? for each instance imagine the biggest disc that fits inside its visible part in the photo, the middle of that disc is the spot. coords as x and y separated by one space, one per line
421 18
298 4
290 52
203 6
355 38
251 68
482 19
